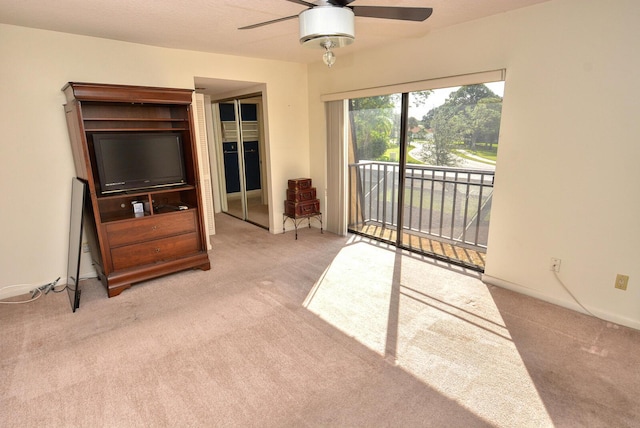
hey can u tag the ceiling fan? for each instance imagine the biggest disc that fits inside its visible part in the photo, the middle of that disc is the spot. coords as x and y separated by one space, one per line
330 23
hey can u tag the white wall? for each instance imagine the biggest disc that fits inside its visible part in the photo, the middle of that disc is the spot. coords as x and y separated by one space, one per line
567 176
36 165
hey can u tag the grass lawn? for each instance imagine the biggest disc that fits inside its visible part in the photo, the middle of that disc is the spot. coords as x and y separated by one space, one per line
394 153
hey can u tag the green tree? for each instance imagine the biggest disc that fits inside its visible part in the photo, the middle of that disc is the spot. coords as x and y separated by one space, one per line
470 115
375 122
372 123
470 95
412 122
418 98
427 118
446 132
484 121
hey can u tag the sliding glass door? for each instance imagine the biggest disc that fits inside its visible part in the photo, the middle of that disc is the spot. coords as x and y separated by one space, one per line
421 169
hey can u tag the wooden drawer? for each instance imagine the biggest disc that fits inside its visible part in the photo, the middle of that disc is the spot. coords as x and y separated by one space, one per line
301 195
299 183
153 227
155 251
295 209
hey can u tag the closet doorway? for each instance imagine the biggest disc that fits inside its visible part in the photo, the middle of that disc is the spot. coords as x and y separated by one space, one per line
243 180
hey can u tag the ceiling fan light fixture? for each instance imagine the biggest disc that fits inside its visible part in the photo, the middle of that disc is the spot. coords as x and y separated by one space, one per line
330 24
323 23
329 57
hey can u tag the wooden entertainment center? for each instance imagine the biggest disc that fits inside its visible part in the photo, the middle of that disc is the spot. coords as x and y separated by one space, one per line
169 234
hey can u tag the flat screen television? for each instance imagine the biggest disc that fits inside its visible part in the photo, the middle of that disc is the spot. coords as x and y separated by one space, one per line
139 160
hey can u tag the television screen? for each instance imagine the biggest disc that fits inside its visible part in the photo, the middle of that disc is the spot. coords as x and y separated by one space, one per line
141 160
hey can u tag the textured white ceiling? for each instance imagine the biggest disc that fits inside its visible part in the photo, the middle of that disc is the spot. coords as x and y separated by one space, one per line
211 25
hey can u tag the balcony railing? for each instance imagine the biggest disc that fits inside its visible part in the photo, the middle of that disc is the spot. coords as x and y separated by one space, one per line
450 204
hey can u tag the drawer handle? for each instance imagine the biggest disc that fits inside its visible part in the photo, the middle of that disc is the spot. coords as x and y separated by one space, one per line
154 227
157 250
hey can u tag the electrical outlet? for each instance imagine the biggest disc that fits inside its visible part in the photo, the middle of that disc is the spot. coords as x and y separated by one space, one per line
555 264
85 247
621 281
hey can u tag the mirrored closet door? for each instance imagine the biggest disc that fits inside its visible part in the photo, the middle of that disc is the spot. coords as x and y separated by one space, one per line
242 153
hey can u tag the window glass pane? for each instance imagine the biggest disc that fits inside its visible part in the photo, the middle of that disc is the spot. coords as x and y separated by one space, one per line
453 140
375 130
456 126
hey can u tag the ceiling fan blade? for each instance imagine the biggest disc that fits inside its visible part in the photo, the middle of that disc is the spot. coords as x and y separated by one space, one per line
249 27
390 12
340 2
304 3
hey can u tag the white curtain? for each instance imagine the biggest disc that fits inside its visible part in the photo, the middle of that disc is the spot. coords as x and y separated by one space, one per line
335 217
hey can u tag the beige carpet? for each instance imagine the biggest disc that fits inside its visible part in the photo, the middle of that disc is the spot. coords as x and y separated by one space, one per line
322 331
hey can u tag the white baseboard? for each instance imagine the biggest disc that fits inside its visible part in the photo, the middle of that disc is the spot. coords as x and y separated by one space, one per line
21 289
16 290
569 304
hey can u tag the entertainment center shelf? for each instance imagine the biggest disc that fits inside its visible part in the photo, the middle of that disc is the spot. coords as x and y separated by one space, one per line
157 202
105 117
135 145
133 128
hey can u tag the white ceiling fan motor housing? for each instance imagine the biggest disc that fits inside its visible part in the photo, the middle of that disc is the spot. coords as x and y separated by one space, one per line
322 23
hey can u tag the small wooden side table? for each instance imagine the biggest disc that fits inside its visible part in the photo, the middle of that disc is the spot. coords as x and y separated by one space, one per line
297 219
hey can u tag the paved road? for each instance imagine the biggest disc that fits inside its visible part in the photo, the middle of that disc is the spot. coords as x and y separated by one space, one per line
484 164
464 163
468 163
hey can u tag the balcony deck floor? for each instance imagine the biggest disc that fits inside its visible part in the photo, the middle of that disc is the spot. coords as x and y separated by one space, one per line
420 244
